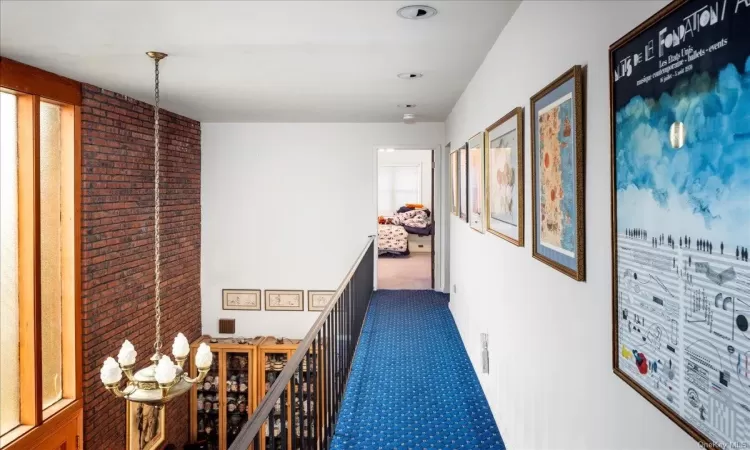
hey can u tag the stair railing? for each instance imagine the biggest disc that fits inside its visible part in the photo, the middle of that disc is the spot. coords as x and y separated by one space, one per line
301 408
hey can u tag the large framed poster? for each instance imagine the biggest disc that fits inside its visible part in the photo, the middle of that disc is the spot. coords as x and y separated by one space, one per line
680 122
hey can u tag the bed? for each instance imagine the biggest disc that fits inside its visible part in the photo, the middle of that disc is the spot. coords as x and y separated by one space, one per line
392 240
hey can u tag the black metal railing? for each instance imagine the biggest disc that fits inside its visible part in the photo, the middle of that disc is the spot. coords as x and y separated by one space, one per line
301 408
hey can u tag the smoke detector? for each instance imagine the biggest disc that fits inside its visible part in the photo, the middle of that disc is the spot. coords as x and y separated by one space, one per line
416 12
409 118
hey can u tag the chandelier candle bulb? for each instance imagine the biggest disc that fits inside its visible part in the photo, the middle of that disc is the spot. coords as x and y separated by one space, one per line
166 371
203 356
180 347
127 354
110 372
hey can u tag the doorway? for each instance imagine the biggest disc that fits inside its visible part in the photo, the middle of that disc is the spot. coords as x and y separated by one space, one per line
406 225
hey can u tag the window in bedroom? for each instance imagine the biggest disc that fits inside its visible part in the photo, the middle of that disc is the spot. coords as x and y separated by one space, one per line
398 185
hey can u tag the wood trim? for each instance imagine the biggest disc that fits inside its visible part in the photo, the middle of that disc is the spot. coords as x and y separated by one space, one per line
29 254
71 251
31 80
37 437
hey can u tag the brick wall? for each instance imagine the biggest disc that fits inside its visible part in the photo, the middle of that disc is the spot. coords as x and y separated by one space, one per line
118 248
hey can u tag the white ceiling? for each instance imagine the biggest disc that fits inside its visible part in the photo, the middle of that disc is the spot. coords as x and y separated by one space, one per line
264 61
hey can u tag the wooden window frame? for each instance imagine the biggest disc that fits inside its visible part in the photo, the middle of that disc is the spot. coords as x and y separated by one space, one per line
31 87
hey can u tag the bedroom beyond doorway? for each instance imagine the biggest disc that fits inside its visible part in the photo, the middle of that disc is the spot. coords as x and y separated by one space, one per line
405 219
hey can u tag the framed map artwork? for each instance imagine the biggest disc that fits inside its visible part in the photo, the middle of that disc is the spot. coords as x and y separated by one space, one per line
557 174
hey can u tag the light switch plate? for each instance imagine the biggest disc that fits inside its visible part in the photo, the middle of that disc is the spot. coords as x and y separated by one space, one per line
485 353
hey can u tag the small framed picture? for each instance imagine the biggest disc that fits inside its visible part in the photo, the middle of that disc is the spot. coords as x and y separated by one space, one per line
476 182
241 299
318 300
146 426
285 300
504 177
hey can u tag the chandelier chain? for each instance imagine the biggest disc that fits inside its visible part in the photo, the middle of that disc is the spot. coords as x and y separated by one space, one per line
157 208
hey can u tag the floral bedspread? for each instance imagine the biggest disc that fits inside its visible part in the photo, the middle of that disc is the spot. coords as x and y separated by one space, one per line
392 239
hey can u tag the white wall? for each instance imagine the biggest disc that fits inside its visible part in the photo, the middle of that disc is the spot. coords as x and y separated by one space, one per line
423 158
551 383
289 206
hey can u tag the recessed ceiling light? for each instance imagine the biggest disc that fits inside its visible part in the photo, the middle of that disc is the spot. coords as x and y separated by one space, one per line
409 75
407 105
415 12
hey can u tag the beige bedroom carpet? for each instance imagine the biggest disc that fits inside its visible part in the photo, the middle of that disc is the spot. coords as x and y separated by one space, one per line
411 272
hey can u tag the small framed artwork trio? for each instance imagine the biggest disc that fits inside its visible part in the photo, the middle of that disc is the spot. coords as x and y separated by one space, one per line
275 299
679 93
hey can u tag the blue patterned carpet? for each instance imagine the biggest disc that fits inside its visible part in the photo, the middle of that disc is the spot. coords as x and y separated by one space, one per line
412 385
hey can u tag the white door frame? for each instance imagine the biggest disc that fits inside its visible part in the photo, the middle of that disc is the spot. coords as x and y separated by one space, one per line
438 210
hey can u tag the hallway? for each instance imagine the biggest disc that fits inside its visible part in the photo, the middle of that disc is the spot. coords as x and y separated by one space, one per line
412 384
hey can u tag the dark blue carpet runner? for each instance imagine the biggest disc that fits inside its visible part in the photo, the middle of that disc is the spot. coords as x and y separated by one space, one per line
412 385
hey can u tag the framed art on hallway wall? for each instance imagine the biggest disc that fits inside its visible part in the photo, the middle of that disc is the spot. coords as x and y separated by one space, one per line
453 171
463 189
318 300
505 177
476 182
680 192
241 299
557 174
285 300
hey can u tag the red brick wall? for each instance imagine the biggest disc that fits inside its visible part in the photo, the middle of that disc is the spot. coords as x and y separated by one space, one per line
118 248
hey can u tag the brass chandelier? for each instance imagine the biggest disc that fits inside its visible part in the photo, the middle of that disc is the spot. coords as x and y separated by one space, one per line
163 380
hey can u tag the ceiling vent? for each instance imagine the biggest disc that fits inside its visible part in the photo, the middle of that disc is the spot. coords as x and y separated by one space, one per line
407 105
409 75
415 12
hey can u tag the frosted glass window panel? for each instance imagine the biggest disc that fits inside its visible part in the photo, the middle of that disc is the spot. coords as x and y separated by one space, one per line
398 185
50 146
10 408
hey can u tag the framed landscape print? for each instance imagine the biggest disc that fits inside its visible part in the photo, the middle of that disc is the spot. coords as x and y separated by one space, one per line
318 300
463 189
285 300
476 182
504 177
241 299
557 171
453 171
680 129
145 425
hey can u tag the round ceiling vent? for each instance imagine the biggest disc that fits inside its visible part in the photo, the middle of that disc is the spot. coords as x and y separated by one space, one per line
407 105
409 75
415 12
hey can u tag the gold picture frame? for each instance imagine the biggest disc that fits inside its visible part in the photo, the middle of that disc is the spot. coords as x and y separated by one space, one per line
475 166
505 232
567 87
284 300
453 171
314 299
145 431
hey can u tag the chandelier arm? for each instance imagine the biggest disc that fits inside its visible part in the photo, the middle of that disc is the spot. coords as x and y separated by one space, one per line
199 379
